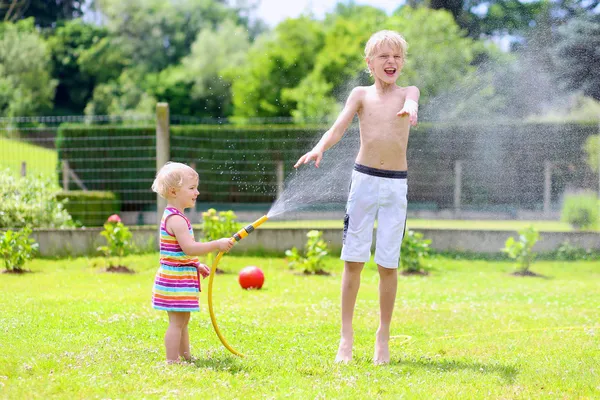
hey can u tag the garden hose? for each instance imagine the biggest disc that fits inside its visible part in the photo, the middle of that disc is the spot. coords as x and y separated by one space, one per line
242 233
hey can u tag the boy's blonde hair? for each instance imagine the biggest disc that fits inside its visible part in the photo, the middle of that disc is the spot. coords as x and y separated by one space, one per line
171 176
380 38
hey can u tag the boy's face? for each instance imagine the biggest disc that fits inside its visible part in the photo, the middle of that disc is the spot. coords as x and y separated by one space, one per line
188 192
386 63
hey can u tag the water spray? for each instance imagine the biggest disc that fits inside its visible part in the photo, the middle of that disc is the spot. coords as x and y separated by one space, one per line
242 233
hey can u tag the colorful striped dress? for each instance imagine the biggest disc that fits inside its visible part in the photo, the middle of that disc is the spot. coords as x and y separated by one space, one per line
177 282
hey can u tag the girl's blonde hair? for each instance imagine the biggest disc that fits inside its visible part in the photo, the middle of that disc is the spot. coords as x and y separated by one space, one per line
171 176
380 38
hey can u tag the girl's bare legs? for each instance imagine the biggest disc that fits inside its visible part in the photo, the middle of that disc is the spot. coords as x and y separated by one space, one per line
388 285
350 285
177 322
184 345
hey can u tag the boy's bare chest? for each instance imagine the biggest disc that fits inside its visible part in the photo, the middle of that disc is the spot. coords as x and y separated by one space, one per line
382 109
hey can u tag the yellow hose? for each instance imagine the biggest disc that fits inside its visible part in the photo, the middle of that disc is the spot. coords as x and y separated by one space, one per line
242 233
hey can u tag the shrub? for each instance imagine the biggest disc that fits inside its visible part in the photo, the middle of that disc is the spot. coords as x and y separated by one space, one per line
16 248
315 251
118 239
415 251
219 225
581 210
568 252
521 250
31 201
89 208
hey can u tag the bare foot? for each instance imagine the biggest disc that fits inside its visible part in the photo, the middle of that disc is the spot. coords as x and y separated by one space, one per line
344 353
382 349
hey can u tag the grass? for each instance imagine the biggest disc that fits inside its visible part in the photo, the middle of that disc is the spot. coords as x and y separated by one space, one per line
39 160
508 225
71 331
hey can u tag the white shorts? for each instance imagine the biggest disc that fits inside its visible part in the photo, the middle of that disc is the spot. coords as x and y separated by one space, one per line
375 193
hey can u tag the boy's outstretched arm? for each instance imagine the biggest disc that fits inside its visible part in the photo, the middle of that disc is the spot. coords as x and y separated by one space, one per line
335 133
411 105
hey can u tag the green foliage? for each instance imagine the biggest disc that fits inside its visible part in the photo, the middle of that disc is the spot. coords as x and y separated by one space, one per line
45 12
568 252
69 46
592 151
218 225
575 53
581 210
16 248
89 208
119 241
31 201
521 250
26 87
415 252
315 250
276 61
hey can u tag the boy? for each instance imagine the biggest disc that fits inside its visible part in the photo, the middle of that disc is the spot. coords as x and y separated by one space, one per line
379 183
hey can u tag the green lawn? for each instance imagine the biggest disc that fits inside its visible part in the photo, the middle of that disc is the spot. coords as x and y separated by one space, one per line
510 225
72 331
38 159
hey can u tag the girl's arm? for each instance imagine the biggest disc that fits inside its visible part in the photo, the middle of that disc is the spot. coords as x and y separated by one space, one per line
178 226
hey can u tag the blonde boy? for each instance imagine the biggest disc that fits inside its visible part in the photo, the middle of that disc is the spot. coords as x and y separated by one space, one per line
379 183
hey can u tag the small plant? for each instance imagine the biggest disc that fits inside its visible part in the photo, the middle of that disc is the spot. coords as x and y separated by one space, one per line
16 248
315 251
415 251
521 250
582 210
219 225
118 241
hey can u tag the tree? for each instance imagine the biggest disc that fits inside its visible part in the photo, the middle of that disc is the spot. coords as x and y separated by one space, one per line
156 34
69 45
577 56
26 87
276 61
45 12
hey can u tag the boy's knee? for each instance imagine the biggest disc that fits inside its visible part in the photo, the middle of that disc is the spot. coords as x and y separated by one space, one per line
354 267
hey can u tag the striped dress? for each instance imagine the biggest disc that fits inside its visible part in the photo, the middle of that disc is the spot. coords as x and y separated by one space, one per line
177 282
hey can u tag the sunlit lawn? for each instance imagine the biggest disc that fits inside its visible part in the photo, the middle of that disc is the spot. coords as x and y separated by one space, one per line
476 332
38 159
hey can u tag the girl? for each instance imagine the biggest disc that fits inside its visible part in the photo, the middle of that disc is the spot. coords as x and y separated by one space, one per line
177 282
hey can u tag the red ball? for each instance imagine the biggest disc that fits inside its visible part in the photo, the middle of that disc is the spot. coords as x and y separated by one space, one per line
251 278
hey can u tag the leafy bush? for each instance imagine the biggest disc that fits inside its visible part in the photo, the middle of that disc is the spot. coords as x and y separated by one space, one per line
118 239
219 225
568 252
521 250
16 248
315 251
90 208
415 251
581 210
31 201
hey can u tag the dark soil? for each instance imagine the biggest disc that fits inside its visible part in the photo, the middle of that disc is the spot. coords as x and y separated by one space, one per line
17 271
413 273
527 273
319 272
119 269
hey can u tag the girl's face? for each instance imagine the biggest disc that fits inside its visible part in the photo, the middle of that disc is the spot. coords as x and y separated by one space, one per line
386 63
186 195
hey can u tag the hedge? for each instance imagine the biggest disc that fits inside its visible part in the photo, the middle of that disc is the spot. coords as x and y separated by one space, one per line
90 208
503 162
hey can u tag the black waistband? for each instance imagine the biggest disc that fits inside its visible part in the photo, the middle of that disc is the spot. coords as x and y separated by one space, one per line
382 173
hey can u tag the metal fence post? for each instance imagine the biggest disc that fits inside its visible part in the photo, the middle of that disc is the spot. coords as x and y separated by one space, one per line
280 178
457 186
547 187
162 149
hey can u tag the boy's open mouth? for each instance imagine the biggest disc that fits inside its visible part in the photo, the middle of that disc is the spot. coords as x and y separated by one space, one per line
390 71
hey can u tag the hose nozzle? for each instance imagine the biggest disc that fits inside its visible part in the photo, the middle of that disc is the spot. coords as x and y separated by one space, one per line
242 233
